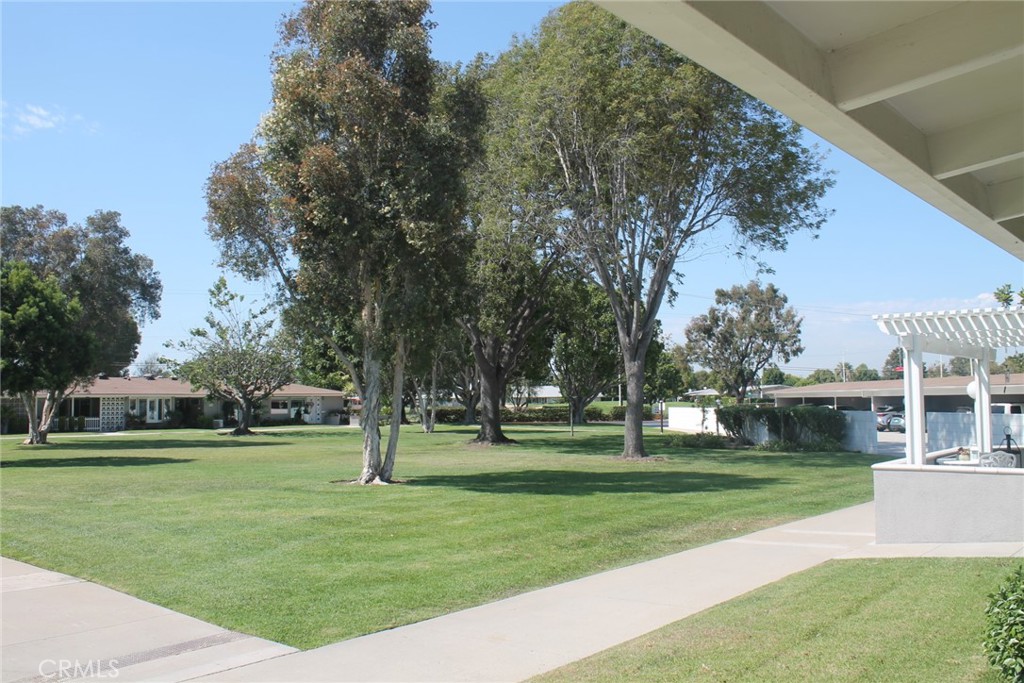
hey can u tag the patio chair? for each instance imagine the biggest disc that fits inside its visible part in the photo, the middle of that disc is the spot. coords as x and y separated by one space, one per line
998 459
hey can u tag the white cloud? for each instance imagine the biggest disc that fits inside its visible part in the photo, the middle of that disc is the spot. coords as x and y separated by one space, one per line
25 119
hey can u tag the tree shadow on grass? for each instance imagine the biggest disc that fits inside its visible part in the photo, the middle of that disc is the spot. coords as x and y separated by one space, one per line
94 461
127 443
574 483
610 445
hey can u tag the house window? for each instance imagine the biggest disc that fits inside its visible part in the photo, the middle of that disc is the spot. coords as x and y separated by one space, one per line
279 407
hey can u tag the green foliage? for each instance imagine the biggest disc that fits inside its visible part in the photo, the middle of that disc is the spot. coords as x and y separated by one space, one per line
813 427
118 290
618 413
1004 640
699 440
647 151
238 356
42 345
748 328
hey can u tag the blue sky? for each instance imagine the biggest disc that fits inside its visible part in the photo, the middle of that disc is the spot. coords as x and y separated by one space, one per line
126 106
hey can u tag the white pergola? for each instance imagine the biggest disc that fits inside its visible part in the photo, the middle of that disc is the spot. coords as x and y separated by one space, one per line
974 334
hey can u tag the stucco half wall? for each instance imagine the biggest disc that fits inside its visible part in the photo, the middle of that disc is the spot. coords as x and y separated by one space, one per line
946 504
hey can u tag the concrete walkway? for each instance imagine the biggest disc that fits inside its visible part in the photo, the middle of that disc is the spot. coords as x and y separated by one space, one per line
508 640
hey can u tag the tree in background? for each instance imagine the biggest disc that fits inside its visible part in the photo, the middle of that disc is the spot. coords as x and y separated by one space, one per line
517 255
584 358
117 289
649 152
239 357
862 373
663 379
844 372
151 366
42 343
772 375
960 366
1004 295
819 376
747 329
892 368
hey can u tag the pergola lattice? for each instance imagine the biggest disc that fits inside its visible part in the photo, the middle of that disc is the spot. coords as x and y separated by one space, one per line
974 334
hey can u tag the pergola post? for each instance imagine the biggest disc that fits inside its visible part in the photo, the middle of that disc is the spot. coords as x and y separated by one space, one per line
913 393
983 401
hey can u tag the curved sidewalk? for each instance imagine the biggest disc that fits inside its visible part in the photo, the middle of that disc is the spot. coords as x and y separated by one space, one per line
508 640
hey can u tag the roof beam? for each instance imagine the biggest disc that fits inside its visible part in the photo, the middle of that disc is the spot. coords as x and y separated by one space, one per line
977 145
937 47
1006 199
757 49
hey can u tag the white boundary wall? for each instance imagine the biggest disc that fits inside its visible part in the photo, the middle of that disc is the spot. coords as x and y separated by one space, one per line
693 420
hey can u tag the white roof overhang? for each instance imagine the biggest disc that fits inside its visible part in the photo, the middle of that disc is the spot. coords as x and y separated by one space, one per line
957 333
930 94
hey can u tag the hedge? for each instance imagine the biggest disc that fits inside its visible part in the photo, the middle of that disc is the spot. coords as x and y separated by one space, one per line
791 425
618 413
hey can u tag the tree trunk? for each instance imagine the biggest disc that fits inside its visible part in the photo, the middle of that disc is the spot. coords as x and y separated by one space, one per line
398 382
245 421
492 393
433 396
577 406
36 433
371 421
634 441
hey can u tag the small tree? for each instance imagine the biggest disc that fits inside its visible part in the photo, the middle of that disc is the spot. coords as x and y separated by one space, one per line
239 357
748 329
42 344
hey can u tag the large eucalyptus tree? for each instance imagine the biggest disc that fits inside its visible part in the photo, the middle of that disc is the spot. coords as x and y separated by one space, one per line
353 192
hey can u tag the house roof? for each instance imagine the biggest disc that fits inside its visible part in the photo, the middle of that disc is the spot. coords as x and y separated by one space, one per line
168 386
933 386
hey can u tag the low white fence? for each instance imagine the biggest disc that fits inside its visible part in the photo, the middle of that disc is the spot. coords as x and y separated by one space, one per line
861 432
953 430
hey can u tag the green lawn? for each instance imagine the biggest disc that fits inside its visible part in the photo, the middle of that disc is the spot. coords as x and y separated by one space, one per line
847 620
252 533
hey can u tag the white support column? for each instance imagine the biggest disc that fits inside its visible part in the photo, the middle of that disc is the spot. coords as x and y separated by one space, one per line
913 397
983 401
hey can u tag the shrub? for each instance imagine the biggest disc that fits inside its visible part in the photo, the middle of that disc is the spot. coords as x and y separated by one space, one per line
814 427
204 422
80 423
595 414
1004 642
701 440
450 415
618 413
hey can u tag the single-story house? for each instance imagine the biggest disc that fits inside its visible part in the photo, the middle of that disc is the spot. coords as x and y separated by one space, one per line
110 403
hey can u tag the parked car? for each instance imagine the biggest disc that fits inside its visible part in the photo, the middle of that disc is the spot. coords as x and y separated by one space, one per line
897 423
883 415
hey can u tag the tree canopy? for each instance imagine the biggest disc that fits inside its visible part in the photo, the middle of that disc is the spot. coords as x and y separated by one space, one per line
748 329
42 343
649 152
117 289
239 356
354 193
